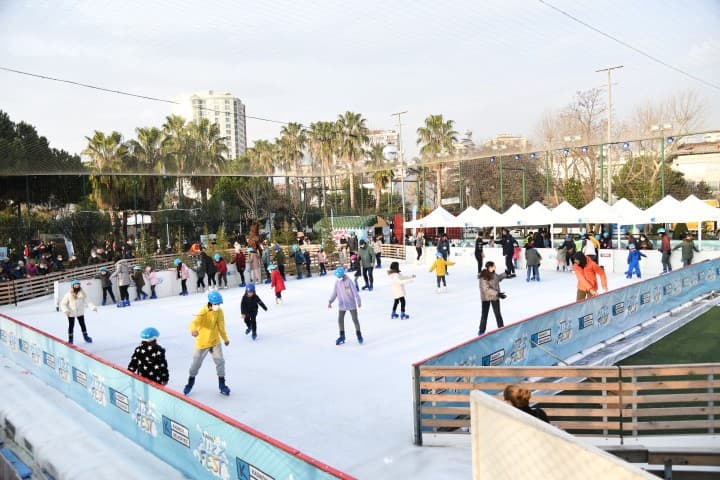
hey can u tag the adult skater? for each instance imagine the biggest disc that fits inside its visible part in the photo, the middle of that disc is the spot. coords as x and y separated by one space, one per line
587 273
490 295
348 300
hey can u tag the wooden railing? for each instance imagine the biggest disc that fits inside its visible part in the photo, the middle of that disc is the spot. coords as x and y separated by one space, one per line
623 401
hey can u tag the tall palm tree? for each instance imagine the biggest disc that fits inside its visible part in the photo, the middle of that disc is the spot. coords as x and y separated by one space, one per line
108 154
149 156
206 150
291 145
323 141
436 138
381 174
175 145
261 157
353 135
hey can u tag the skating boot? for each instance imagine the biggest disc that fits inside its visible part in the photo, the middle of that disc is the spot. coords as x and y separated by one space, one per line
224 389
254 336
404 316
248 330
87 338
341 339
189 386
153 297
308 275
359 337
370 288
121 304
145 295
241 285
137 299
70 338
365 287
103 303
394 315
126 303
267 280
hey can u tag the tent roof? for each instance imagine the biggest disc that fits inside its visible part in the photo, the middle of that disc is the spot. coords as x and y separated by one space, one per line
565 213
628 213
466 217
667 210
514 215
597 211
696 209
437 218
486 216
538 214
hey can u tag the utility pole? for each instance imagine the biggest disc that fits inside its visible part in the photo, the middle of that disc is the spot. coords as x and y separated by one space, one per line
401 154
609 123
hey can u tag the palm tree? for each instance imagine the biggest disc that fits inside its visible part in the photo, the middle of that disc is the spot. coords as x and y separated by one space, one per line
148 155
207 150
353 135
261 157
381 175
108 154
292 142
175 145
323 141
436 138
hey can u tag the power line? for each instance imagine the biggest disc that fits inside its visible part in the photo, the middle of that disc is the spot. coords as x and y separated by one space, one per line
627 45
121 92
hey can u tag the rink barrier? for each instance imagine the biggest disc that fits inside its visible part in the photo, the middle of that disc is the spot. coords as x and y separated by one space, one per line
200 442
562 332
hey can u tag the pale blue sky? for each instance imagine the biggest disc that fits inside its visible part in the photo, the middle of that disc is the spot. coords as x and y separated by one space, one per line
492 66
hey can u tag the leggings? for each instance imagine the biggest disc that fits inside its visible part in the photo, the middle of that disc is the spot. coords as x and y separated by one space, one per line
419 253
441 278
108 291
341 320
183 285
71 325
124 295
222 279
401 301
509 266
251 323
211 279
484 315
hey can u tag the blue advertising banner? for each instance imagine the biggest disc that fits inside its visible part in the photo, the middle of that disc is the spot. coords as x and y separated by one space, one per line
199 442
568 330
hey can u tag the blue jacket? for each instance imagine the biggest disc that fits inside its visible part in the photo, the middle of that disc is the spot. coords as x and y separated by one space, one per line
346 294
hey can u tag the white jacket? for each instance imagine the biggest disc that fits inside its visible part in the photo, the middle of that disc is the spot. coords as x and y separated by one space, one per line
74 305
398 284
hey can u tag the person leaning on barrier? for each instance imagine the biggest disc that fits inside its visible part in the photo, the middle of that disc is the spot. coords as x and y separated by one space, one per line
519 398
587 272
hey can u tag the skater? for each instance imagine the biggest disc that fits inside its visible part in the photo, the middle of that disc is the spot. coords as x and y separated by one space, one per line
479 253
253 265
443 246
210 269
221 267
665 250
508 249
570 250
355 267
561 258
419 244
139 280
398 282
308 262
688 247
586 272
519 398
348 300
106 285
200 273
152 279
266 260
440 267
208 328
299 261
322 260
367 260
377 247
181 272
633 261
148 359
588 247
532 261
122 273
490 295
249 309
280 260
277 282
239 262
73 306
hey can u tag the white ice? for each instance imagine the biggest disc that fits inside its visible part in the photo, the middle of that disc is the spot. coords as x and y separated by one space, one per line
349 406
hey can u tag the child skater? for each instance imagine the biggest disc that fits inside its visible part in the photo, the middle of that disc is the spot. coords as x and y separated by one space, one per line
200 272
355 267
348 300
148 359
322 260
561 258
398 282
106 285
182 274
440 266
276 282
532 261
73 306
239 262
249 309
633 261
152 280
308 262
222 268
139 280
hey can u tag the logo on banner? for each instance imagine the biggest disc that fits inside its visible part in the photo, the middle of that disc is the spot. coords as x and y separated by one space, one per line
668 289
701 276
517 353
145 417
494 359
603 316
618 308
657 293
97 389
120 400
79 376
24 346
3 336
677 287
686 282
64 369
49 360
710 275
586 321
541 337
35 354
245 471
644 298
13 342
210 453
632 307
178 432
565 332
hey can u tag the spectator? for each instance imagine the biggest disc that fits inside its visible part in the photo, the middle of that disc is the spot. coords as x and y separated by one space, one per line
519 398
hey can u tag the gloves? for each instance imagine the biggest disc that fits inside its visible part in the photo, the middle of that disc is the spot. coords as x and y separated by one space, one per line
502 295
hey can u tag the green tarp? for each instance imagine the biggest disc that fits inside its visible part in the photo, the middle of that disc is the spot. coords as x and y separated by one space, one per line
349 222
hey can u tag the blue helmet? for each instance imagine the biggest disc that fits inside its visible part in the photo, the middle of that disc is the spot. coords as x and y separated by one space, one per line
137 267
250 287
216 257
661 230
339 272
103 269
438 255
177 262
272 266
276 247
215 298
294 248
74 282
149 334
250 249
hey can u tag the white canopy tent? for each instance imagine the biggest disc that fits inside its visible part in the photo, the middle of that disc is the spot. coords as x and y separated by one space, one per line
627 213
435 219
699 211
487 217
667 210
466 217
514 215
538 214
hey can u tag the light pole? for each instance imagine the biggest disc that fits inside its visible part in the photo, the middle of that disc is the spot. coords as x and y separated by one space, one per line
402 163
661 128
609 122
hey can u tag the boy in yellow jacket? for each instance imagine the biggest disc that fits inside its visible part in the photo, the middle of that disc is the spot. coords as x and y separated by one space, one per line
208 328
440 266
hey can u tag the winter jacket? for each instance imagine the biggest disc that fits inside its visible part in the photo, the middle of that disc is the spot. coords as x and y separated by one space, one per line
210 326
688 247
266 256
299 258
479 244
588 248
221 266
138 278
148 361
440 266
249 305
182 271
200 270
532 257
276 281
280 257
508 244
634 257
367 256
665 244
209 264
74 305
443 247
151 276
239 261
569 247
122 273
346 294
489 289
377 246
253 261
322 257
587 277
398 282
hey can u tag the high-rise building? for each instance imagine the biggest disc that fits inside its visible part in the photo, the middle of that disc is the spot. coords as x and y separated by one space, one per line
222 109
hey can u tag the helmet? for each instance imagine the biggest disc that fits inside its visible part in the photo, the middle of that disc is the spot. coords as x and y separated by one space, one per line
216 257
438 255
74 282
250 287
320 247
272 266
339 272
137 267
250 249
294 248
177 262
149 334
199 263
103 269
215 298
606 234
276 247
631 246
661 230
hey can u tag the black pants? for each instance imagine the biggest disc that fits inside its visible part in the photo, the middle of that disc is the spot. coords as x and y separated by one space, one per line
211 279
251 323
281 268
108 291
419 253
401 301
183 285
124 295
322 269
367 273
484 315
441 279
509 266
200 282
71 325
241 272
479 260
152 291
378 259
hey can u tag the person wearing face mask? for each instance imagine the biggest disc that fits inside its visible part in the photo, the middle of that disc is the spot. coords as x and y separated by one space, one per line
208 328
73 306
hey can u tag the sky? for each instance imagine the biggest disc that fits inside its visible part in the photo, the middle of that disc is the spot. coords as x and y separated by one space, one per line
348 406
493 66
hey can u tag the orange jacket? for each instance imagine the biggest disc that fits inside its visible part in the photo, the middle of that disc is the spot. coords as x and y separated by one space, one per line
587 277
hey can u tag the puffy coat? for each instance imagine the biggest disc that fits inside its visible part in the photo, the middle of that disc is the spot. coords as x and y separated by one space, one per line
532 256
347 296
122 273
440 266
398 282
210 326
587 277
276 281
489 289
74 305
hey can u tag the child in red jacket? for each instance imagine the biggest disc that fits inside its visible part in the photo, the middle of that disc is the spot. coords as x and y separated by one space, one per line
276 282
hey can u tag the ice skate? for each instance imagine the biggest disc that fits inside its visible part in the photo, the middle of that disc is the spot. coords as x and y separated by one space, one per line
404 316
87 338
224 389
359 337
341 339
248 330
189 386
394 315
254 336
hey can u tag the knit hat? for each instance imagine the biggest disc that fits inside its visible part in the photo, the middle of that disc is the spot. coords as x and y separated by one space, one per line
394 267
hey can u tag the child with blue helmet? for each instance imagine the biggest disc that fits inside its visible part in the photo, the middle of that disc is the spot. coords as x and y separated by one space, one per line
348 300
208 328
148 359
222 268
249 309
106 284
182 273
440 267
